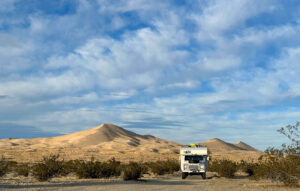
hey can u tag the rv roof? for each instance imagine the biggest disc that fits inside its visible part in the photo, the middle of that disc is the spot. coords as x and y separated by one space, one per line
188 146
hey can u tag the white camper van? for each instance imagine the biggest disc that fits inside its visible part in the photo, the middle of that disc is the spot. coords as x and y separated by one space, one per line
193 160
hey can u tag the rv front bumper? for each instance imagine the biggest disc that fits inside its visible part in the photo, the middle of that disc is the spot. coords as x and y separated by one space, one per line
190 168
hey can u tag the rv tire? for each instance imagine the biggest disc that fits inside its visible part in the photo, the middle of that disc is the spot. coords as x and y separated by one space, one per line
184 175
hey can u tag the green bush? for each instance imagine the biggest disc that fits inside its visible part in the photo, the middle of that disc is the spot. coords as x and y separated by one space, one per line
132 171
23 170
48 168
225 168
3 166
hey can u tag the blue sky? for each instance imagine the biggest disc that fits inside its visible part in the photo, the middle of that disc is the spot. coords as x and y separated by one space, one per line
185 71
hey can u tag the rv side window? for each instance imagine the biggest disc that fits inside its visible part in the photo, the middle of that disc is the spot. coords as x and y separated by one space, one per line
194 158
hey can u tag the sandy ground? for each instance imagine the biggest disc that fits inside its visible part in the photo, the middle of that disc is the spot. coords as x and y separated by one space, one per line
165 183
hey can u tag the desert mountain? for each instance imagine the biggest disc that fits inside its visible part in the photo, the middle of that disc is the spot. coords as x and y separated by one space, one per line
237 151
107 141
217 145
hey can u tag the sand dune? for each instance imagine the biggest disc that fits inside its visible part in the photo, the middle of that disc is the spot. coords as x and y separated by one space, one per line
97 135
108 140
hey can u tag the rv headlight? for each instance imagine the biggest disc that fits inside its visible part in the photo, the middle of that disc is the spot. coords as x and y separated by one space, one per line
185 166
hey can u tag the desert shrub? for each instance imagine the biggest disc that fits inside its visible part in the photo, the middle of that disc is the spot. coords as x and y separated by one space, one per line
164 167
12 166
23 170
96 169
113 168
225 168
282 164
132 171
90 169
3 166
284 169
155 150
67 167
247 167
48 168
145 168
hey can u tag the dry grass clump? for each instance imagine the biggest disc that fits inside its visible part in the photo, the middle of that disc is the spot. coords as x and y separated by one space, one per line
132 171
225 168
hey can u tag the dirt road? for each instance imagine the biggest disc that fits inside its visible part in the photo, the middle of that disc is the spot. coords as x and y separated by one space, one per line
166 183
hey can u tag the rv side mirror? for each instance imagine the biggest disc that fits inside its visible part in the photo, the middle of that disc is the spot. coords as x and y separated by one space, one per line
207 158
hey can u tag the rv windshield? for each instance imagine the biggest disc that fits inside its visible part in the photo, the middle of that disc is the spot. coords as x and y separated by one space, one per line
194 158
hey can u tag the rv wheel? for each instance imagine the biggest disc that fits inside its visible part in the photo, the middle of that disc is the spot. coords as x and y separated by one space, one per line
203 175
184 175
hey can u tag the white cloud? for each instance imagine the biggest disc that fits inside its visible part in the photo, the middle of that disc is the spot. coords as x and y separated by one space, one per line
118 95
137 61
38 87
220 15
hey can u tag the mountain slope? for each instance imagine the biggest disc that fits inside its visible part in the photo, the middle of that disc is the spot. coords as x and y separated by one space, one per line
216 145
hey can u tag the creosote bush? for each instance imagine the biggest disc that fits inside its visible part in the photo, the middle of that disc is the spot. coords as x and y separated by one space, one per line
48 168
96 169
225 168
283 164
23 169
164 167
3 166
247 167
51 166
132 171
